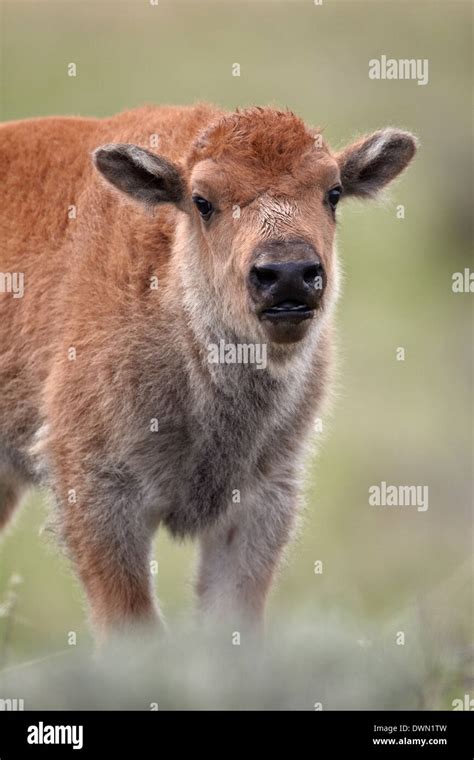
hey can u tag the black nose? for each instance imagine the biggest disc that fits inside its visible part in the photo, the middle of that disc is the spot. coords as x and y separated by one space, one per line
290 280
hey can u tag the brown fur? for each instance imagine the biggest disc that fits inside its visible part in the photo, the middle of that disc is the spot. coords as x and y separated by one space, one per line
83 426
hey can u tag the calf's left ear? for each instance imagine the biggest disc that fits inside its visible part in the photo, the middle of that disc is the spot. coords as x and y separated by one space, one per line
140 174
369 164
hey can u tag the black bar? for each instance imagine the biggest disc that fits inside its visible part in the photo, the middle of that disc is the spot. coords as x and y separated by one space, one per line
323 734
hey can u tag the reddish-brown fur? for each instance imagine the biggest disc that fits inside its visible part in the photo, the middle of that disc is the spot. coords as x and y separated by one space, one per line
87 288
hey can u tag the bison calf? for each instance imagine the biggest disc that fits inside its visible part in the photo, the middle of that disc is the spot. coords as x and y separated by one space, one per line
170 346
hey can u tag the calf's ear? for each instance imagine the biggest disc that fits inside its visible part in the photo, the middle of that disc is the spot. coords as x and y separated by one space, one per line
144 176
369 164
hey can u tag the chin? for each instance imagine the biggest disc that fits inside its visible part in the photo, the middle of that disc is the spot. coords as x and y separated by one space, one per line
287 330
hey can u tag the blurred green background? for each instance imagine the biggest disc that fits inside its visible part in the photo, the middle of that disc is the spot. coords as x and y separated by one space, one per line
404 422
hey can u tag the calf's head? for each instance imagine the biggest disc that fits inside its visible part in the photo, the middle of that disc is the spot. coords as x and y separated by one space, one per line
258 191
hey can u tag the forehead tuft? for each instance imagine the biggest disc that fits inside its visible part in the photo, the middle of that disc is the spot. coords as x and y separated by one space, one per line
259 137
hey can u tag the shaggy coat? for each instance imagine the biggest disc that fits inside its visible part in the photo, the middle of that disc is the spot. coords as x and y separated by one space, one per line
143 240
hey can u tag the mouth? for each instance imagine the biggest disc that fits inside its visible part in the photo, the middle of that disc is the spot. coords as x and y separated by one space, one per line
290 311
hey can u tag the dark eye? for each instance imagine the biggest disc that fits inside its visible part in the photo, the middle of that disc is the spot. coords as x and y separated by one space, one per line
333 196
204 207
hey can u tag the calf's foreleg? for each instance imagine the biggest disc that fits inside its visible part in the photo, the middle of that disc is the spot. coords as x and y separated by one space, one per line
239 557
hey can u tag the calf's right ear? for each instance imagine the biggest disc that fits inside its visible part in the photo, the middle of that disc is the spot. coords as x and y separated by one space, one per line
143 176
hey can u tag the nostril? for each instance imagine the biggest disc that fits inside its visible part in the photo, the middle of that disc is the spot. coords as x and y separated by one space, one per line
311 273
293 278
264 276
